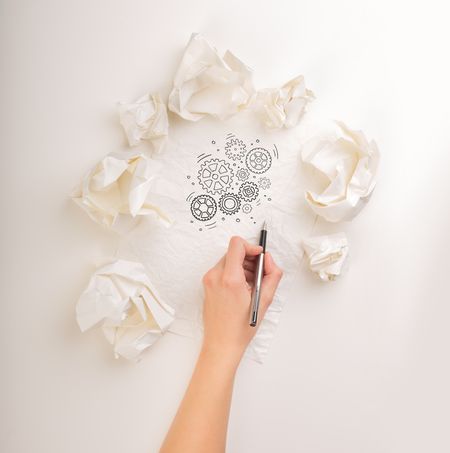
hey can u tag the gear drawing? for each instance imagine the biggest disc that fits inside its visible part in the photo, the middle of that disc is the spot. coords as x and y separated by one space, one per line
248 191
258 160
247 208
215 176
229 203
203 207
242 174
235 149
264 183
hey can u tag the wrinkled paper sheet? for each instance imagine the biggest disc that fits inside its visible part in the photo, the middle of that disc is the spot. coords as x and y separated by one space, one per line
349 164
177 257
327 255
121 297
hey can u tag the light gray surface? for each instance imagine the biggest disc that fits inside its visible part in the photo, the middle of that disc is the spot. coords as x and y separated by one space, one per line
360 365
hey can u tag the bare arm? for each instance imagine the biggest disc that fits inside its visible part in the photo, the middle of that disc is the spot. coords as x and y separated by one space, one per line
200 425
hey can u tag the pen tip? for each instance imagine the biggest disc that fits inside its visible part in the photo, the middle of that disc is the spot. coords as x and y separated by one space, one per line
264 227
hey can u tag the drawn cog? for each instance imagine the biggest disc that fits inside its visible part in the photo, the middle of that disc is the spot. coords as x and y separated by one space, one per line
215 176
235 149
203 207
258 160
247 208
242 174
229 203
264 183
248 191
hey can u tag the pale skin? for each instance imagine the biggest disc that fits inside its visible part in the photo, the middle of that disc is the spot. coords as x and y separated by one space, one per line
200 425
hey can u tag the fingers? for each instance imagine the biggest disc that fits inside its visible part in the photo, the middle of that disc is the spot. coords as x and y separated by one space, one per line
249 265
271 279
250 277
238 250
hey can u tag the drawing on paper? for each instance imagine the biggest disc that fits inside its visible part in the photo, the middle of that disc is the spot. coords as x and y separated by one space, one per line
203 207
227 183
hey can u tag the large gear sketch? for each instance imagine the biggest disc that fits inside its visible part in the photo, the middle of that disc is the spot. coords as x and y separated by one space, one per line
203 207
248 191
235 149
215 176
258 160
229 203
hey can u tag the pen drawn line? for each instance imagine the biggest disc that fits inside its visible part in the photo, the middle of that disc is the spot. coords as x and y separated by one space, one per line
211 228
275 152
204 157
230 135
211 224
188 198
200 155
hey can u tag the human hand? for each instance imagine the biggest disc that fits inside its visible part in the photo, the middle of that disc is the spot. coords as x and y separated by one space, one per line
228 288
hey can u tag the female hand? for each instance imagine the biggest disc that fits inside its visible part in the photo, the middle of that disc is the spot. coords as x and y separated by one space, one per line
200 425
228 287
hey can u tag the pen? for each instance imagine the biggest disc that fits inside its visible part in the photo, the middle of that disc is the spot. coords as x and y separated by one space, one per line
258 278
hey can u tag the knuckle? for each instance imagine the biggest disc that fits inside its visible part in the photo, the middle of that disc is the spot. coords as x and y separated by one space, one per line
235 240
279 273
229 281
207 279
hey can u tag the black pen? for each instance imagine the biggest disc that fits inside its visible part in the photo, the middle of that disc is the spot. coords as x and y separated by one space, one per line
258 278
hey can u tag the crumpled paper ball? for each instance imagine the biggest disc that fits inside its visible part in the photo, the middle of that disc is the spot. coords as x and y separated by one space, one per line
350 164
327 255
207 84
285 106
145 119
133 316
114 192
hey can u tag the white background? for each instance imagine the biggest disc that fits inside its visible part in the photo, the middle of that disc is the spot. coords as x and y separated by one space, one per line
358 366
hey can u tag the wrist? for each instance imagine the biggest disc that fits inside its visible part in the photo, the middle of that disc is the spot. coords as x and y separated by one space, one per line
226 358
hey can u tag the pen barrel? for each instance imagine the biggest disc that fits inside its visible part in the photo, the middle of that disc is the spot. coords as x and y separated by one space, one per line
262 240
256 295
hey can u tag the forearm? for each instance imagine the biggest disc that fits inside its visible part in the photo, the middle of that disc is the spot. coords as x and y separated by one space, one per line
200 425
201 421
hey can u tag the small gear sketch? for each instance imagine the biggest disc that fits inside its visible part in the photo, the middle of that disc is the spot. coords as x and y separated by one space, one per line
258 160
229 203
264 183
248 191
242 174
203 207
215 176
247 208
235 149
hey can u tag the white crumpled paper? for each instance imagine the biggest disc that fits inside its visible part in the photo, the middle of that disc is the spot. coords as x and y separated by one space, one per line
179 256
145 119
350 163
285 106
327 255
133 315
207 84
115 191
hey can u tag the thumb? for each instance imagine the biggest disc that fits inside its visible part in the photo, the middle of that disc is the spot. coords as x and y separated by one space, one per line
271 279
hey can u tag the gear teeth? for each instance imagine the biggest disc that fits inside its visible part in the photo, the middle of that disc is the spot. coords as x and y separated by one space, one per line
248 191
215 176
234 208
